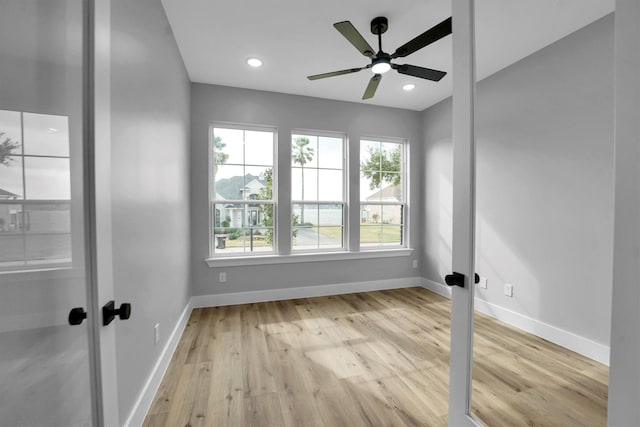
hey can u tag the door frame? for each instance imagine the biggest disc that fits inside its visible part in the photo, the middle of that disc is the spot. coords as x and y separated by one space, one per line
97 190
464 201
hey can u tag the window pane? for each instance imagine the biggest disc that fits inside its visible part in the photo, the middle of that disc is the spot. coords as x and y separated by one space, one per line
370 235
47 178
381 225
330 153
229 183
11 178
10 133
47 218
46 135
330 237
11 237
304 151
369 189
391 157
368 150
48 232
228 146
330 187
258 148
256 185
392 214
381 171
244 240
296 184
305 214
317 226
309 180
330 215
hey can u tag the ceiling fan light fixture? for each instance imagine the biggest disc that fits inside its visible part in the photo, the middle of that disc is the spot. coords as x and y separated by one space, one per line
254 62
380 66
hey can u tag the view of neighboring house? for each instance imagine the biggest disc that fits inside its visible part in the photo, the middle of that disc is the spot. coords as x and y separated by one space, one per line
372 211
238 188
10 215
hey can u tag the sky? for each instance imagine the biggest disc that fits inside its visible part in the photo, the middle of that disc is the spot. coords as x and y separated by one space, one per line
44 170
251 152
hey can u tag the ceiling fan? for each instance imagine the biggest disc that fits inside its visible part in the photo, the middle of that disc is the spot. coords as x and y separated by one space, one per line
381 61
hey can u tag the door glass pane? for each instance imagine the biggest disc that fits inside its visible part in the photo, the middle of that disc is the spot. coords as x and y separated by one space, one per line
44 362
46 135
47 178
544 219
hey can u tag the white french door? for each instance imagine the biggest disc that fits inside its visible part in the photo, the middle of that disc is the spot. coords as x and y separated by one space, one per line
463 248
57 364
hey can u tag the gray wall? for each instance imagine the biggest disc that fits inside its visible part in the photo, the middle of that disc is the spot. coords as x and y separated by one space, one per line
544 184
150 187
286 112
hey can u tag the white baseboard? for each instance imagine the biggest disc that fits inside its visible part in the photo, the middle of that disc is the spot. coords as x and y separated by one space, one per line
217 300
145 398
577 343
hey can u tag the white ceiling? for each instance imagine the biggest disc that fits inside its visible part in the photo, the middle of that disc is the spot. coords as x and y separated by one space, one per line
296 38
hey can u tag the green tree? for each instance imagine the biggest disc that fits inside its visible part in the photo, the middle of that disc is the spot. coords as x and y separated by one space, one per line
6 149
266 193
382 166
219 155
302 154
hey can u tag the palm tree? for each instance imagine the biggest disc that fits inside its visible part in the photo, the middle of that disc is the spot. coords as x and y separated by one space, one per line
219 155
302 154
6 149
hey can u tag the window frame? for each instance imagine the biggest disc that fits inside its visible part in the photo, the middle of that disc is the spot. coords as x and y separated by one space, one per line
344 203
405 185
26 203
213 255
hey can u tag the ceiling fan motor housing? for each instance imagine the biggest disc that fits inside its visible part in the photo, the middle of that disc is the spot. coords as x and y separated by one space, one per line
379 25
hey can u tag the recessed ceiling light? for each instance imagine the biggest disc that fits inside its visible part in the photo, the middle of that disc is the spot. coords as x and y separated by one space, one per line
52 130
254 62
408 87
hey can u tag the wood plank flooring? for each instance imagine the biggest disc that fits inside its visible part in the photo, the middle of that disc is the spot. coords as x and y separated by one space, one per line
367 359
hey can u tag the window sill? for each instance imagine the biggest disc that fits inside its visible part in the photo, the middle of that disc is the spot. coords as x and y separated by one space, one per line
43 273
306 257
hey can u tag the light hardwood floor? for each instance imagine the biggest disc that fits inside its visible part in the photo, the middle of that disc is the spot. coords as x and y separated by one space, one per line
367 359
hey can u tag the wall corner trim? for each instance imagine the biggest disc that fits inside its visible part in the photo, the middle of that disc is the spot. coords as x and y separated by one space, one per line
584 346
145 398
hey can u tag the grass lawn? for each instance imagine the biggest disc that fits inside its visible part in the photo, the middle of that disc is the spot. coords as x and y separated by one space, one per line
369 233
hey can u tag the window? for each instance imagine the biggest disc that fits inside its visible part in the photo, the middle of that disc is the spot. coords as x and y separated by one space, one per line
242 197
382 193
35 190
317 192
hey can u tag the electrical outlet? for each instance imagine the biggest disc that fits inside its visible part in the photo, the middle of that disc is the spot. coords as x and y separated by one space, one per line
415 263
222 277
508 289
483 282
156 333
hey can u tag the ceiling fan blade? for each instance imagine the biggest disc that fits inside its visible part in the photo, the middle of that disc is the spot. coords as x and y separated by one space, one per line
350 33
372 86
423 73
335 73
432 35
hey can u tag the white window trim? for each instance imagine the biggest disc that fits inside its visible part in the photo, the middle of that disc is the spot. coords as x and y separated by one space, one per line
405 191
211 189
345 191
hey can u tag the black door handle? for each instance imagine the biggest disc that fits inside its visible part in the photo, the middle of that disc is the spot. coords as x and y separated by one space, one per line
457 279
109 312
77 316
